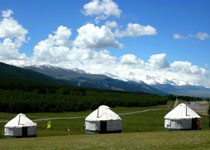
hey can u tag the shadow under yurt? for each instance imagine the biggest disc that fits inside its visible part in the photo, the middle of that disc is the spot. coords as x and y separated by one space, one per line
103 120
182 118
20 126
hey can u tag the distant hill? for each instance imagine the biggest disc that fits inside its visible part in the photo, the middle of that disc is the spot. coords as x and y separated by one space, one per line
82 79
185 90
57 75
8 72
49 74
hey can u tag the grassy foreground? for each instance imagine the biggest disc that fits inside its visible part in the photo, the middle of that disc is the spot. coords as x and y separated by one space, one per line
181 140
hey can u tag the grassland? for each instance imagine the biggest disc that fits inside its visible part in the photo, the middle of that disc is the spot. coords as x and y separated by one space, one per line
142 122
188 140
140 131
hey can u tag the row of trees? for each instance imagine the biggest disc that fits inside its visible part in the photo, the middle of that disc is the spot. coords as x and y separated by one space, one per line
187 98
25 96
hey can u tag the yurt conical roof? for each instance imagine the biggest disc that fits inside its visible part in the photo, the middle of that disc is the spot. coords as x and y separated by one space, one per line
182 111
102 113
20 121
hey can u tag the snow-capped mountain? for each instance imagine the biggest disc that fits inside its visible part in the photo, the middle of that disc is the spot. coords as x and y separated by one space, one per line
81 78
174 87
124 83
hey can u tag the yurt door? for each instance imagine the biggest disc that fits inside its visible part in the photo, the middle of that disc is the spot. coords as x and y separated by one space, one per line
24 131
194 124
103 126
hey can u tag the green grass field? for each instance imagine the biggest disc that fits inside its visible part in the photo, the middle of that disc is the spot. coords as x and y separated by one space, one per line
142 122
182 140
140 131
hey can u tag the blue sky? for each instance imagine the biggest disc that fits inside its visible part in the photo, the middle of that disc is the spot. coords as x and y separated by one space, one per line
163 37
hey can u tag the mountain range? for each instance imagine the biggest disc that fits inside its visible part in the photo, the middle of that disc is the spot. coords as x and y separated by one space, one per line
80 78
76 77
184 90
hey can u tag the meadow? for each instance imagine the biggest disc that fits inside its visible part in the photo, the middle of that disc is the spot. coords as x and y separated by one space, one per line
139 122
140 131
182 140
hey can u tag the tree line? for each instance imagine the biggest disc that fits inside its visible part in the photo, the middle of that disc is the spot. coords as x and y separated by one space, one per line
188 98
32 96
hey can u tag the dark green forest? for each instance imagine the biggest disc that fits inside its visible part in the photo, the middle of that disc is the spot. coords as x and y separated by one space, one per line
32 96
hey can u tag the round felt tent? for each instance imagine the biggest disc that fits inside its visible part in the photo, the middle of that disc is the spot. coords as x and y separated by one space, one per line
20 126
103 120
182 118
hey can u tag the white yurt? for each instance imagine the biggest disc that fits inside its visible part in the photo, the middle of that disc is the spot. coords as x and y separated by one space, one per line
103 120
20 126
182 118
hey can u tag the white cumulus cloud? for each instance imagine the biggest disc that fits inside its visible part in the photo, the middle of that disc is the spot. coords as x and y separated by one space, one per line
136 30
10 28
62 36
100 62
186 67
9 50
158 61
130 59
94 37
55 48
55 51
102 9
12 35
